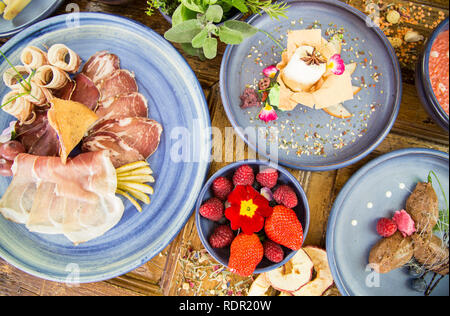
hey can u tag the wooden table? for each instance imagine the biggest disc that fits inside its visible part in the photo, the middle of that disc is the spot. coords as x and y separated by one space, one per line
183 268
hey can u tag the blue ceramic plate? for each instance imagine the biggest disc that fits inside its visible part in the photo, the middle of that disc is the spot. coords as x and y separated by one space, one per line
378 190
180 164
305 138
34 12
205 227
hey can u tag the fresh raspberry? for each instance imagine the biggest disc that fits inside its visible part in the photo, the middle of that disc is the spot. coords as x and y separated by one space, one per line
221 237
286 196
212 209
273 251
386 227
268 178
221 187
244 176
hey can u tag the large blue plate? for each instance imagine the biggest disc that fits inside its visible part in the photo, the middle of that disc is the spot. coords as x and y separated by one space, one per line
304 132
34 12
180 164
377 190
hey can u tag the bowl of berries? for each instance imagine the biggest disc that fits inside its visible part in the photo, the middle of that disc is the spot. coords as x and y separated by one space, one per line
252 216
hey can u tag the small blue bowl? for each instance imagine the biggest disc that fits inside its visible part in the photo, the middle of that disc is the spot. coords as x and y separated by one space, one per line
205 227
423 82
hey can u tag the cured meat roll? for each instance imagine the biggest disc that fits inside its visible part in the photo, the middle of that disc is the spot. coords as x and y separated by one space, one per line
51 77
33 58
18 106
12 80
59 55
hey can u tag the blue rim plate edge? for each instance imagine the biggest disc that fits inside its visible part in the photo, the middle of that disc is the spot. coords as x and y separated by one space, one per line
37 19
436 109
253 161
399 88
145 30
334 213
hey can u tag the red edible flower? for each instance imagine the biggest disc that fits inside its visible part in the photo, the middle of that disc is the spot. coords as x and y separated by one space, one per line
248 209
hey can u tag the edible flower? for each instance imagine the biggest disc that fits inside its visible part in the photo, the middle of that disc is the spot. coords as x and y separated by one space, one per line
336 64
405 223
270 71
268 113
247 209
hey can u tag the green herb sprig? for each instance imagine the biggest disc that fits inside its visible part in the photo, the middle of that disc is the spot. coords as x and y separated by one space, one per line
442 225
25 83
196 23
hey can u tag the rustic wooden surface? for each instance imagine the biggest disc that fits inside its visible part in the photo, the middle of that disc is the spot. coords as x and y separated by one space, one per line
174 270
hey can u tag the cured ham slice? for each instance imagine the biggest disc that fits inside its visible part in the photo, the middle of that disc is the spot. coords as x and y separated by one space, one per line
127 105
38 138
85 92
101 65
140 133
119 82
76 199
120 152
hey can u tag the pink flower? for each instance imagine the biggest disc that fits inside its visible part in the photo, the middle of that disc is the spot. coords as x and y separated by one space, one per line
405 223
336 64
270 71
267 114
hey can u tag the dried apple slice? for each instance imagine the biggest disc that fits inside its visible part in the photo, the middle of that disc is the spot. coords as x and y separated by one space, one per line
323 280
293 275
260 287
338 111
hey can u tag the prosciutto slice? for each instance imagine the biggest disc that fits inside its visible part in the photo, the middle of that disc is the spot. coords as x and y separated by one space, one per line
126 105
119 82
132 133
76 199
100 66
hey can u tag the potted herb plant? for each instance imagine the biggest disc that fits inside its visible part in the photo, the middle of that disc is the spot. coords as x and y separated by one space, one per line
198 25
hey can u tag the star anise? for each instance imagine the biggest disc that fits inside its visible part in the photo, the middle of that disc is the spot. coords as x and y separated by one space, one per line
313 59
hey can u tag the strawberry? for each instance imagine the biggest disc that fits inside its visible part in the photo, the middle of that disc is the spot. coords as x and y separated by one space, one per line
268 178
244 176
386 227
273 251
286 196
221 187
212 209
284 228
221 237
246 252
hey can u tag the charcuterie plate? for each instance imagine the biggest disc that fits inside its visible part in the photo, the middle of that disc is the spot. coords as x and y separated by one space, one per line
180 164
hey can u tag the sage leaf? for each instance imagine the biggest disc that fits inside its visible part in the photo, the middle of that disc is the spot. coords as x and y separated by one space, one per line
240 5
196 52
245 29
214 13
229 36
210 47
199 40
183 32
182 14
194 5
